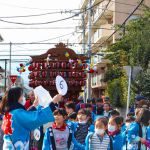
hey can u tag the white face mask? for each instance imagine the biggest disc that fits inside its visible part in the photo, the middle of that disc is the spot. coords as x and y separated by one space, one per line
23 101
83 122
111 128
99 131
127 125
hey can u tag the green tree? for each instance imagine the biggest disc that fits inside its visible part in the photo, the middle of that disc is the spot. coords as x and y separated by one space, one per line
132 49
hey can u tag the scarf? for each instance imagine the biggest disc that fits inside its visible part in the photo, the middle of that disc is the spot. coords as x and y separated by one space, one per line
62 128
113 133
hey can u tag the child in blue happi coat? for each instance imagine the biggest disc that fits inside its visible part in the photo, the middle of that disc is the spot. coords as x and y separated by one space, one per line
114 131
99 139
138 132
60 136
82 127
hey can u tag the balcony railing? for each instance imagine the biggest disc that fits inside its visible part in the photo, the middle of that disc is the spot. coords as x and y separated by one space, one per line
97 81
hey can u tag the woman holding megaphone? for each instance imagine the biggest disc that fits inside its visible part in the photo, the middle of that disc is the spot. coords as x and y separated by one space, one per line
17 122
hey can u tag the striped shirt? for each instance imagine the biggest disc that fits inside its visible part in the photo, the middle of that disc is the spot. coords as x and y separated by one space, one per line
97 143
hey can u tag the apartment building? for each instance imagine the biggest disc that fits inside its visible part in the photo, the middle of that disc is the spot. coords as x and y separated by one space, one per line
106 14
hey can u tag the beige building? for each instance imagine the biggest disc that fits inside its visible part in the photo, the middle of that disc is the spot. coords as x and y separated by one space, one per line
105 16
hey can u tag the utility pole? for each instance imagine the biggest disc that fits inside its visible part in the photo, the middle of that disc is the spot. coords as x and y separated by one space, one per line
129 89
83 34
83 49
5 73
10 58
89 46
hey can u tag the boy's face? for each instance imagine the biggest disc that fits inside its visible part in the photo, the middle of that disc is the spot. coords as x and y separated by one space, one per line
59 118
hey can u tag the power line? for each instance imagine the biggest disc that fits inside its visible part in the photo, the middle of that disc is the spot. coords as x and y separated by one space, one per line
43 43
53 38
42 23
45 28
36 15
60 12
57 9
121 24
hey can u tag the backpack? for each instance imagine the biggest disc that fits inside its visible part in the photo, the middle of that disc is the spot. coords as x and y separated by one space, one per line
53 140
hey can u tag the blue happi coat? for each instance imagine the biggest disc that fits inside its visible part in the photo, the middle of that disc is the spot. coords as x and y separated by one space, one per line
20 122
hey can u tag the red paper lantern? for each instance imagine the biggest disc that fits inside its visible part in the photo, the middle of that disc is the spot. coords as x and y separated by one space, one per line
57 64
72 82
63 65
30 68
43 74
69 65
73 74
44 65
70 74
37 65
76 65
34 65
54 74
53 65
36 83
80 83
76 83
35 73
47 83
77 74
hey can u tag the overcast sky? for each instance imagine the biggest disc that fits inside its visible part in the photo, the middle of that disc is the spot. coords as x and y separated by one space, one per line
11 8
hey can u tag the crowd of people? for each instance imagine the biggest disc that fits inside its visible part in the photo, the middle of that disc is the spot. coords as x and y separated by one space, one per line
75 125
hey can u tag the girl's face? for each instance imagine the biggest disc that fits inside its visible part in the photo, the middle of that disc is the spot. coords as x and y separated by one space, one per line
112 126
82 117
100 125
106 107
100 128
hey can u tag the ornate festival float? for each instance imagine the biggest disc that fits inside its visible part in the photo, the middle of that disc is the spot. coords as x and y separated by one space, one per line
61 61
